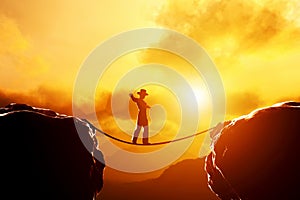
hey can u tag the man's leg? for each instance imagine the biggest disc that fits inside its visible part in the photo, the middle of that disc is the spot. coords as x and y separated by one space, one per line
145 135
136 134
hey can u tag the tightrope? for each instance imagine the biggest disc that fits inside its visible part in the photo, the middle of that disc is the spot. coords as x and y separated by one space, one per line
149 144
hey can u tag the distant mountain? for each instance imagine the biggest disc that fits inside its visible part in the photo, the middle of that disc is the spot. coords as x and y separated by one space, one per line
43 155
257 156
184 180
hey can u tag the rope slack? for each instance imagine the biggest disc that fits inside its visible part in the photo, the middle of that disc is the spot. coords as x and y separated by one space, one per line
149 144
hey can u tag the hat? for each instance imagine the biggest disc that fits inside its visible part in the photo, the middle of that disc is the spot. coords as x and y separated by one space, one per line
142 91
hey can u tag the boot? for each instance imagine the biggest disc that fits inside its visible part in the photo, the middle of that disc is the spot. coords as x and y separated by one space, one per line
134 139
145 141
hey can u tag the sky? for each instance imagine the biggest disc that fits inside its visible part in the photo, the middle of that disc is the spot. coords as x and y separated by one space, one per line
43 44
254 45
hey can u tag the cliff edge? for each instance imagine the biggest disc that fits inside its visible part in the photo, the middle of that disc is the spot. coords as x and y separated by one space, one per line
44 157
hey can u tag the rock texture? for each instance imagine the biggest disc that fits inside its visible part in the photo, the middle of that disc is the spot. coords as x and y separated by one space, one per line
257 156
44 156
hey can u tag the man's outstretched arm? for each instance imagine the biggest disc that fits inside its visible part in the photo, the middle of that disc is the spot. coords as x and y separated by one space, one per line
132 97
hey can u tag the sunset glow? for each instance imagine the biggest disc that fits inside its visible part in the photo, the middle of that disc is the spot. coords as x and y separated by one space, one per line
254 44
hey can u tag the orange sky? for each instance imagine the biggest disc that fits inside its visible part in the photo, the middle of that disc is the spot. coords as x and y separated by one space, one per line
254 44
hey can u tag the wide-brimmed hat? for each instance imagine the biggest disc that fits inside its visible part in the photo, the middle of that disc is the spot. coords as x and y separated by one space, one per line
142 91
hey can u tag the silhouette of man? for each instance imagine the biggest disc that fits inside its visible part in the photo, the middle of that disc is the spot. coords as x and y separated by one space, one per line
142 120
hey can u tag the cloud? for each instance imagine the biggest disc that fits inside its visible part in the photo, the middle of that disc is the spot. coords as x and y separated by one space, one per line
242 103
231 27
45 97
293 98
253 44
19 62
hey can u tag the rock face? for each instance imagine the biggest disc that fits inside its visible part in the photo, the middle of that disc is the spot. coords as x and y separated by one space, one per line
257 156
44 157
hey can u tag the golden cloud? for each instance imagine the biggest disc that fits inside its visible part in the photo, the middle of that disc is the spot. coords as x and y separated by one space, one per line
19 62
253 44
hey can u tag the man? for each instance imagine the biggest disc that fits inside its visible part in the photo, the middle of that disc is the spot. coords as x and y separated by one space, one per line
142 120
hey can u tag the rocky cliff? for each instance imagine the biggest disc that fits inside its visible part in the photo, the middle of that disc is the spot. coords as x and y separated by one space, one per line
257 156
44 157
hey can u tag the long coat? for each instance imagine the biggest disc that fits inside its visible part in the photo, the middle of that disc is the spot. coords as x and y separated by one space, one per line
142 116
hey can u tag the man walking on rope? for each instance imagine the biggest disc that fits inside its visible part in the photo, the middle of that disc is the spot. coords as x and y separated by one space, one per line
142 120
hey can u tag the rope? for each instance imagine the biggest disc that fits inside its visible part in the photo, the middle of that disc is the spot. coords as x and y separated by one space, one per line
150 144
